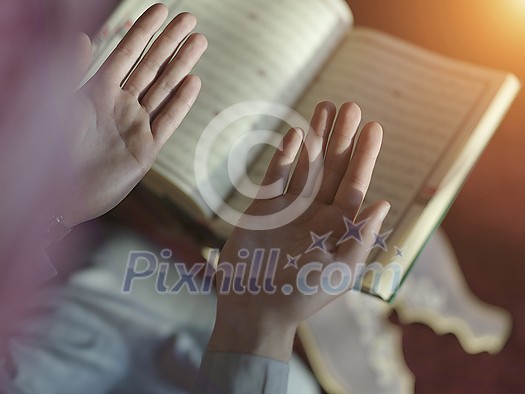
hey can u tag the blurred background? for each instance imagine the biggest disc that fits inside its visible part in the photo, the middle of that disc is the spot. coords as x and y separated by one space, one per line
486 224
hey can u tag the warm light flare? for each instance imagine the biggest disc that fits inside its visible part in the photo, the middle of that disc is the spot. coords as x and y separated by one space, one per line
495 33
514 10
519 3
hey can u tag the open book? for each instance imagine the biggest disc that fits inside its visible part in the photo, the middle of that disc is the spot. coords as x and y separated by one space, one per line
438 114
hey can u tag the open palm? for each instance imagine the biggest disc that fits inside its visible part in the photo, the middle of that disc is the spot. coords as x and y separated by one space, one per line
342 175
129 109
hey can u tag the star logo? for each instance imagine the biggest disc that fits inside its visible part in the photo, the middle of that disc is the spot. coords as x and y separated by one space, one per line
399 252
292 261
318 242
353 230
380 240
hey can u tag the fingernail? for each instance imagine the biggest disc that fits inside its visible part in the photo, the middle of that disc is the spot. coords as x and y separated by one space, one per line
385 211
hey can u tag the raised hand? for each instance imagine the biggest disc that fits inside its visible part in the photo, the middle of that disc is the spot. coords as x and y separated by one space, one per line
264 323
128 110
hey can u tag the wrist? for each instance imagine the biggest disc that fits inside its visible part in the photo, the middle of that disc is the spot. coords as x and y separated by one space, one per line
259 336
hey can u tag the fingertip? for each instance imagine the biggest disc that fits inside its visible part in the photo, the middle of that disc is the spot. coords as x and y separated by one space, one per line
82 52
383 209
352 107
327 104
184 22
348 120
323 119
194 77
378 213
194 80
156 15
377 210
83 39
84 46
190 89
371 137
187 18
199 39
295 132
293 140
160 7
374 127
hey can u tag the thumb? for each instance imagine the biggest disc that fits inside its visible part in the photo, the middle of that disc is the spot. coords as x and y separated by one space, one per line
83 51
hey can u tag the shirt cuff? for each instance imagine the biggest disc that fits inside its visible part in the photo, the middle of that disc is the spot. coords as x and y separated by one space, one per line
236 373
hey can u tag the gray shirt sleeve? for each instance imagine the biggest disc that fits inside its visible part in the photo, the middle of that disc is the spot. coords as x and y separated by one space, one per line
235 373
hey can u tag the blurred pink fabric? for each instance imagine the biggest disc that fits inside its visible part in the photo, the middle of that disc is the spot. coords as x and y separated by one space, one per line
37 78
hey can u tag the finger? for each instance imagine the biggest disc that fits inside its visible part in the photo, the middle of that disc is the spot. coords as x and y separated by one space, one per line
356 251
84 55
353 187
178 68
160 54
339 151
278 172
122 60
176 109
311 156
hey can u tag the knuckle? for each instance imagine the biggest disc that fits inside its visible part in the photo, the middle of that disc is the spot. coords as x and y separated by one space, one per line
124 50
180 62
150 64
167 84
132 89
148 107
198 38
366 154
358 183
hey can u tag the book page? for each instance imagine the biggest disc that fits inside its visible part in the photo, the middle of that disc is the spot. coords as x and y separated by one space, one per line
265 51
427 104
